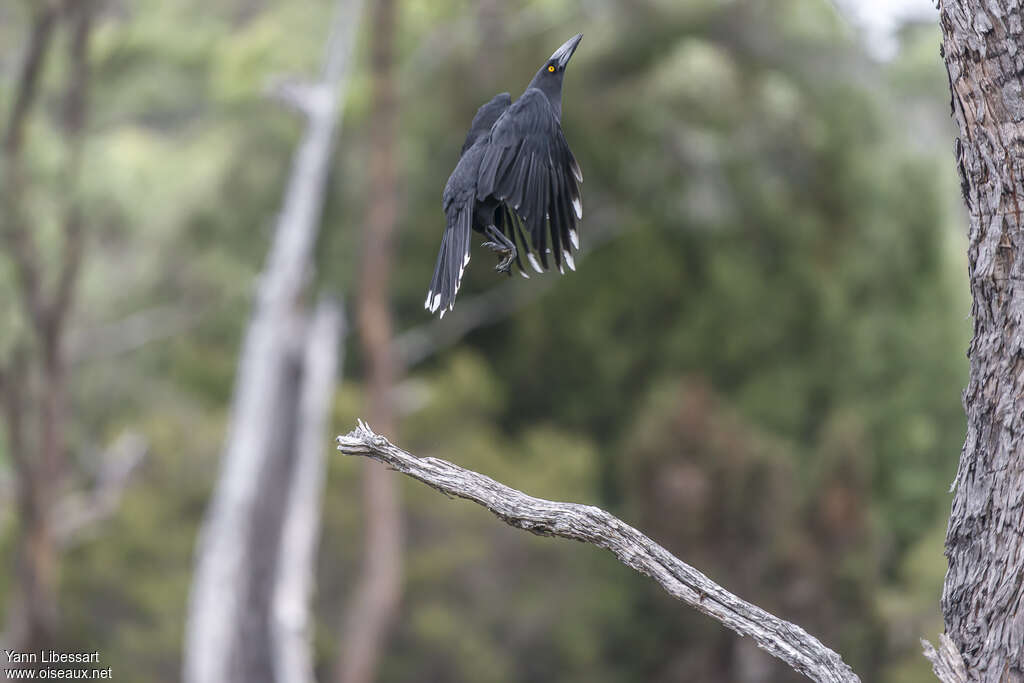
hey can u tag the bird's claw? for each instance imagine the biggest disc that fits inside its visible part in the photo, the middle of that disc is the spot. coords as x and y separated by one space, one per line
505 265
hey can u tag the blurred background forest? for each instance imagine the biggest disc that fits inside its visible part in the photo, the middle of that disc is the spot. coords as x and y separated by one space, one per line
758 361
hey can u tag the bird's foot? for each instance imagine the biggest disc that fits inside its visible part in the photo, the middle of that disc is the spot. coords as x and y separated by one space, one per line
505 249
505 265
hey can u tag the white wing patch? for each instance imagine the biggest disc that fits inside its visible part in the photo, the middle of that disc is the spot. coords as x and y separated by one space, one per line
577 173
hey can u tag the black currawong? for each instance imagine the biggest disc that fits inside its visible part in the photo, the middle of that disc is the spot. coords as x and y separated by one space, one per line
517 183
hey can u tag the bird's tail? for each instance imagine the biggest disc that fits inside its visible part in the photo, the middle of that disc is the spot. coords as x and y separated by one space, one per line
451 261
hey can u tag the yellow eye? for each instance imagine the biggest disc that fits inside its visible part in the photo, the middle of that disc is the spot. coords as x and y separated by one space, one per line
551 68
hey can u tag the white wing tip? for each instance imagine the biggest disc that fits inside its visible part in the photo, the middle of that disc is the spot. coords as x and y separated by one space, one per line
576 171
578 206
568 260
524 274
533 262
435 303
574 236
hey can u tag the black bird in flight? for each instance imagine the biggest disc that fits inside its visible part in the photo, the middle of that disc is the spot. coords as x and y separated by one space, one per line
515 171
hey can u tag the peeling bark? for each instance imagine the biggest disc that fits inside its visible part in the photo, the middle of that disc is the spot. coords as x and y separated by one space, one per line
983 597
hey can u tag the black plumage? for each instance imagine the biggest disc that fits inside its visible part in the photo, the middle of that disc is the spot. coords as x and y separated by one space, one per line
517 182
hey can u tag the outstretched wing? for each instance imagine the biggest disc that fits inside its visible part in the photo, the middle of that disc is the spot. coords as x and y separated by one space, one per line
485 117
527 164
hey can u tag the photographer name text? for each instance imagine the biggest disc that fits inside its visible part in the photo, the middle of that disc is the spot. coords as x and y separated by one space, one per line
52 657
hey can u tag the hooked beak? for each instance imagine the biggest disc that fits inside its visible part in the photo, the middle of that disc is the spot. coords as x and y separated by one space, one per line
563 54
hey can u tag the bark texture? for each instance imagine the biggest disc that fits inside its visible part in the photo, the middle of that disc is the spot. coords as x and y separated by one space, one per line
946 661
983 597
589 524
372 610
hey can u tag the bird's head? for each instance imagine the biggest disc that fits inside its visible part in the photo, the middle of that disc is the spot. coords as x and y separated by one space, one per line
549 78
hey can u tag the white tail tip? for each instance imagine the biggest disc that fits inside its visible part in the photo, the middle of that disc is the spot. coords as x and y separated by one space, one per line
533 262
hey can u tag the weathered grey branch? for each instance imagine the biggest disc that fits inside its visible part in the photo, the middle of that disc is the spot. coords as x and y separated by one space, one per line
787 641
947 663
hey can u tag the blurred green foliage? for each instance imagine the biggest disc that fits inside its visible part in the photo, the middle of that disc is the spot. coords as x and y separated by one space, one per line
759 362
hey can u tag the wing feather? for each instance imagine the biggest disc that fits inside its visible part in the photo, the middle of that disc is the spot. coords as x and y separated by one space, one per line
527 164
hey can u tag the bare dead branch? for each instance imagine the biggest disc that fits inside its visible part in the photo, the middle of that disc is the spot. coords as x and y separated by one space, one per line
303 96
78 512
947 663
589 524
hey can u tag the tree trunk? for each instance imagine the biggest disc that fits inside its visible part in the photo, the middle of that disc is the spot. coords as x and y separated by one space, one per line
983 597
231 618
375 604
291 626
35 391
